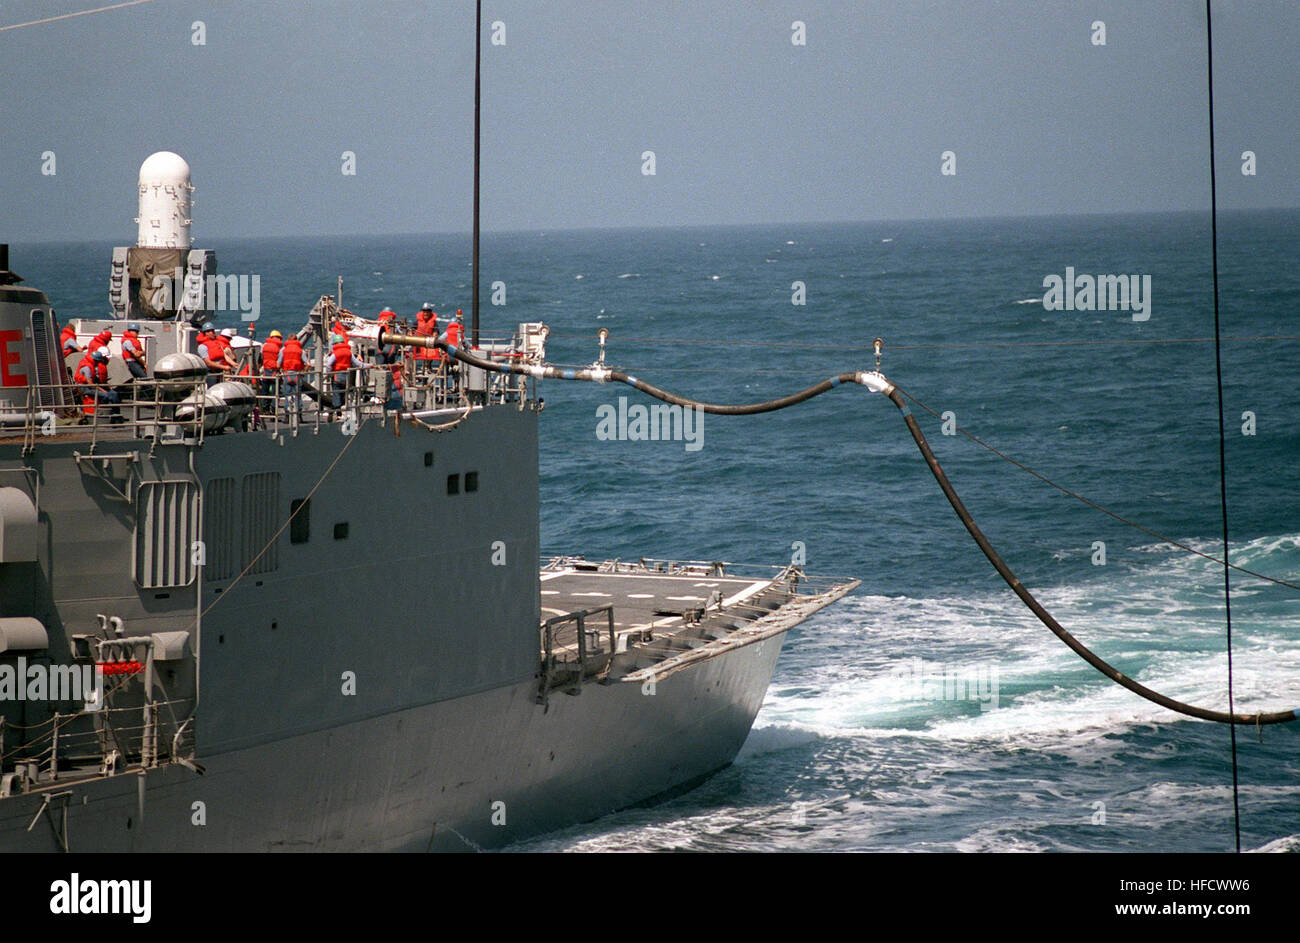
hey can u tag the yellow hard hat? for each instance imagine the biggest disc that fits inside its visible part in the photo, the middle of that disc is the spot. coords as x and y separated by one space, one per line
274 334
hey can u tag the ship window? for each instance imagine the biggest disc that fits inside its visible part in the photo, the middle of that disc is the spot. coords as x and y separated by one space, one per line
300 523
341 530
471 481
453 484
428 459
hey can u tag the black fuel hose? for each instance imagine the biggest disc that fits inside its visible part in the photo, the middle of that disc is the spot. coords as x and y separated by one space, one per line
1045 617
877 383
602 375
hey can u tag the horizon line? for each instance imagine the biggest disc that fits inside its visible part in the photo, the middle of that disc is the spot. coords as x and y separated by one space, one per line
688 226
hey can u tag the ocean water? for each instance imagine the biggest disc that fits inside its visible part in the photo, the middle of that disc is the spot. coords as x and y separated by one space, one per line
843 756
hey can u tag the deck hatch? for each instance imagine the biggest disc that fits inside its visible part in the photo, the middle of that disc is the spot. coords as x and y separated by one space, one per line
166 526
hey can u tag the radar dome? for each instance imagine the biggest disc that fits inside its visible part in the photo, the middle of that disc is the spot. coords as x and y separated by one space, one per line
164 202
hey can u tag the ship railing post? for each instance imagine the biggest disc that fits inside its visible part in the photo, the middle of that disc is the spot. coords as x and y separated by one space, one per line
149 741
582 652
29 424
548 661
157 419
609 610
54 747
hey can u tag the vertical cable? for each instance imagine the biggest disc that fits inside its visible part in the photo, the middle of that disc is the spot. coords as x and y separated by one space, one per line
1223 463
478 44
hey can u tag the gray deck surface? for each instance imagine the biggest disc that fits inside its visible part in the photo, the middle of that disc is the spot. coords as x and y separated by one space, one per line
635 596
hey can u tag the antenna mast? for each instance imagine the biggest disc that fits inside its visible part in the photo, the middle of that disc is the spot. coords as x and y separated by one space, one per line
478 43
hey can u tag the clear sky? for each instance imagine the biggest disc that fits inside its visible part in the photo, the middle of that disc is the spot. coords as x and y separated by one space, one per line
746 127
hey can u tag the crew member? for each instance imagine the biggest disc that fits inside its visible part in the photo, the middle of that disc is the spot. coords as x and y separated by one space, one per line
227 339
271 351
454 335
210 349
91 378
426 325
68 341
292 364
68 346
390 355
133 351
101 339
341 361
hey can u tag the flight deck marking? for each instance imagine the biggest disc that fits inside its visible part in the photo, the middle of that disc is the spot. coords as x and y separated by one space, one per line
744 594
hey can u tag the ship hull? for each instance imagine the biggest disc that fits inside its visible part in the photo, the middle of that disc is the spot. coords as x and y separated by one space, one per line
470 773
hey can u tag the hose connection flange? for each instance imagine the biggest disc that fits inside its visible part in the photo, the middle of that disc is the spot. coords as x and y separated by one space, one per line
875 381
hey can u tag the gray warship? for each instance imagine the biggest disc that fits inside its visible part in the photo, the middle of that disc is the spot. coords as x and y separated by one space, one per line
202 647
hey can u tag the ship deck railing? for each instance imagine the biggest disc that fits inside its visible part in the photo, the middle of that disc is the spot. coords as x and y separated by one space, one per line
573 651
164 411
94 744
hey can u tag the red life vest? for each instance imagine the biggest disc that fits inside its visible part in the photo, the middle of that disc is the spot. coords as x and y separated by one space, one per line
426 325
98 371
455 333
342 356
271 354
215 352
293 355
126 352
69 334
99 340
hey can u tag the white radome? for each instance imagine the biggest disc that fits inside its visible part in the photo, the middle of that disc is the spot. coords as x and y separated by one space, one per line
164 202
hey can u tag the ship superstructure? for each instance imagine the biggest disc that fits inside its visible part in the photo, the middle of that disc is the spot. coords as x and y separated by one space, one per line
303 609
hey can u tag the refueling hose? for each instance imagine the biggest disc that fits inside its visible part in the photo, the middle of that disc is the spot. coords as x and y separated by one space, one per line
877 383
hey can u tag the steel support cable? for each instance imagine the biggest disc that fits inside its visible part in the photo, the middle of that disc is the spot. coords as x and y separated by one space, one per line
875 382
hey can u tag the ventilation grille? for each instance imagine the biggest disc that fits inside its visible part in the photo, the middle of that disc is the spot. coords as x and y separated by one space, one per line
44 357
261 520
219 526
166 526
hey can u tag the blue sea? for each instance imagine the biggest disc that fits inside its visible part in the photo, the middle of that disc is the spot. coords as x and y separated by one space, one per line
844 757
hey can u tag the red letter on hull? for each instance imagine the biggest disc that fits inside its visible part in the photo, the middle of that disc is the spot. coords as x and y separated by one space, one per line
10 358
